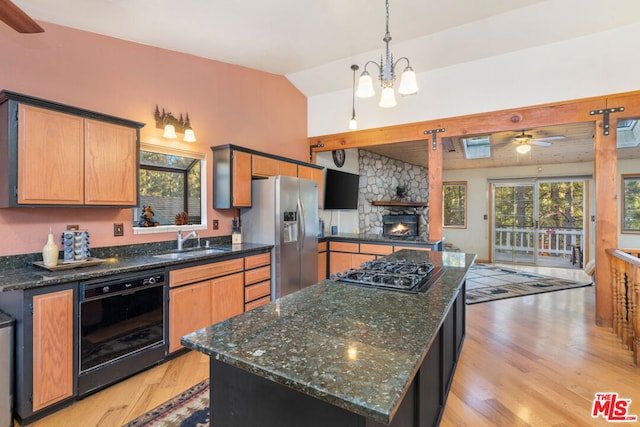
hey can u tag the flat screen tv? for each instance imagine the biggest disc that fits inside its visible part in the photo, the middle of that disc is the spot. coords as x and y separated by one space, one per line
341 190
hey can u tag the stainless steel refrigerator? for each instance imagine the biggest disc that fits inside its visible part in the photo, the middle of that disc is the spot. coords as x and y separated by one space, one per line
284 213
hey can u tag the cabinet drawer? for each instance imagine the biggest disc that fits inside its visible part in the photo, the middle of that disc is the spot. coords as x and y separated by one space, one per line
257 275
344 247
258 290
322 246
366 248
257 303
203 272
254 261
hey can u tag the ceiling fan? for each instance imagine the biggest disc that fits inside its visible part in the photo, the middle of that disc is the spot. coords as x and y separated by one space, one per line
525 141
14 17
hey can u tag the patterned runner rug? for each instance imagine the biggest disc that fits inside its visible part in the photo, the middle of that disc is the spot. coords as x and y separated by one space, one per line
189 409
487 282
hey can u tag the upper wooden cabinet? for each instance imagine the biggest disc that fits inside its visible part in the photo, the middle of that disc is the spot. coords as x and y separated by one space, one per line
234 167
57 155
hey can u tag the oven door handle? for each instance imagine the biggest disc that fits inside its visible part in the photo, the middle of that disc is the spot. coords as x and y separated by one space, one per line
117 293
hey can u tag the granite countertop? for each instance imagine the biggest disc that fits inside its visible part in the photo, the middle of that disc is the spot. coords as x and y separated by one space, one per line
354 347
31 276
370 237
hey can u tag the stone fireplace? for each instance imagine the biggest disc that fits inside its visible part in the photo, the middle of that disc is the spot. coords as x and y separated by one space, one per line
404 226
386 179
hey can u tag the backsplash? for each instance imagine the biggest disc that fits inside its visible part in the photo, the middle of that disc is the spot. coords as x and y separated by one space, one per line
380 178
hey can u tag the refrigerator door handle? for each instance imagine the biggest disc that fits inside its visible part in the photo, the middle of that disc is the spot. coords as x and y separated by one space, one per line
302 225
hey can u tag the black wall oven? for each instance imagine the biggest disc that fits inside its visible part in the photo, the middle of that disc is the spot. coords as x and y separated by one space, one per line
121 328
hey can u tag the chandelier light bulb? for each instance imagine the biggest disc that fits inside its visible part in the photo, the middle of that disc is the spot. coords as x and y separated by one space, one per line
408 82
365 86
388 98
523 148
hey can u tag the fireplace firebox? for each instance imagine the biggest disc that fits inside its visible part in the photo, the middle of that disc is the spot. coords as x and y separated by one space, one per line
400 225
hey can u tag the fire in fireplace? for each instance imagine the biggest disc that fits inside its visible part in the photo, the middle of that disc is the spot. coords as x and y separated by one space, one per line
400 225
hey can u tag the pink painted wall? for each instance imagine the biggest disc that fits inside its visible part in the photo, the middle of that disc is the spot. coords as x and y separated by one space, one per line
227 104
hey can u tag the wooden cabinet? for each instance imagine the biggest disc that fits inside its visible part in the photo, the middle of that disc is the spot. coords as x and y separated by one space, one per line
322 261
234 167
231 178
227 297
46 352
189 310
257 279
53 375
56 155
346 255
397 248
204 294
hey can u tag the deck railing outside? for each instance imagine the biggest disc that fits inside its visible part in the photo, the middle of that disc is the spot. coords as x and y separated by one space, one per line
557 241
625 268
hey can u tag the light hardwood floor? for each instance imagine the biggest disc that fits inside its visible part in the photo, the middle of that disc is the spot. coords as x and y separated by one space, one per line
529 361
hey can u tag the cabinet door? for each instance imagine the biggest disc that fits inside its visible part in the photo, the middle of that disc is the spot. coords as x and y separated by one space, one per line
287 168
358 259
227 297
339 261
322 266
240 179
52 348
264 166
50 157
189 310
315 174
111 161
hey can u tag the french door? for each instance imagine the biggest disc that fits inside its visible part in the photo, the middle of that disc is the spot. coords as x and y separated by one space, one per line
539 222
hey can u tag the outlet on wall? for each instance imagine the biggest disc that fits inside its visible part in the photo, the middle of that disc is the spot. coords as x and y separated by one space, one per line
118 229
216 224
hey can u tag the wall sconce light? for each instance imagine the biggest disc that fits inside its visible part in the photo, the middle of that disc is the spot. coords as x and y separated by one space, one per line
171 125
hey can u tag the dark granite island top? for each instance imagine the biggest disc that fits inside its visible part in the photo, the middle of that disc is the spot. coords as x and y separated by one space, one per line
355 348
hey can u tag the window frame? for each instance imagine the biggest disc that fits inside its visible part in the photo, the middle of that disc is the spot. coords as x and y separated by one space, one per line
465 199
623 210
172 228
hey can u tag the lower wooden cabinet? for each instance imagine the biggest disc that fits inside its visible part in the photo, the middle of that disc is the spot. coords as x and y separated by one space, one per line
227 297
257 280
52 348
189 310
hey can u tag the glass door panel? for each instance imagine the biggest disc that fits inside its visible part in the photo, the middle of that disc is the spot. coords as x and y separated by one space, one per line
514 224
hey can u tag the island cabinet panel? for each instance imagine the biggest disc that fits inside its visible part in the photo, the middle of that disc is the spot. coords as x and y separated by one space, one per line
52 348
59 155
50 157
189 310
227 297
111 164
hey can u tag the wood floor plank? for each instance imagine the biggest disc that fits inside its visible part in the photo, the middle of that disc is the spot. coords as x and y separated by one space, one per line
529 361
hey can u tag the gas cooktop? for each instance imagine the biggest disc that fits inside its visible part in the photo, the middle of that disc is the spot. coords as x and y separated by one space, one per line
396 275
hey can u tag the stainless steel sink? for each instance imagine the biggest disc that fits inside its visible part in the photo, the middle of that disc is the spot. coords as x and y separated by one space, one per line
190 253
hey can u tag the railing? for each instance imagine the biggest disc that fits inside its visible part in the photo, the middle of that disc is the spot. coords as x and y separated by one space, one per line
550 242
625 266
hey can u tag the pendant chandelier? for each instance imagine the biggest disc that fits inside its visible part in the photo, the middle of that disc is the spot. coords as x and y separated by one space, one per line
387 75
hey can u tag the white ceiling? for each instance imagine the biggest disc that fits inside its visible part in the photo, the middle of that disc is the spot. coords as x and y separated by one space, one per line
313 43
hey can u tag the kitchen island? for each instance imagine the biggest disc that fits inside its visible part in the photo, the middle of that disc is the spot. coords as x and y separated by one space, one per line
340 355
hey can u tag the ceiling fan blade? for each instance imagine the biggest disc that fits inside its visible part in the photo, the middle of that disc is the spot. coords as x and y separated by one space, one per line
14 17
550 138
540 143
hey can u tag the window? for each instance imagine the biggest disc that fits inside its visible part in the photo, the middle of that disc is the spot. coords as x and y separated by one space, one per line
454 200
477 147
171 184
631 204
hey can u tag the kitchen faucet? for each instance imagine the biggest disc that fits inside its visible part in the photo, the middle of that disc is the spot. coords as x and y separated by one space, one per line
181 240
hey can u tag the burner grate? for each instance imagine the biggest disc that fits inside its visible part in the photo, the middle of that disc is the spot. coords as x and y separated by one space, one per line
394 275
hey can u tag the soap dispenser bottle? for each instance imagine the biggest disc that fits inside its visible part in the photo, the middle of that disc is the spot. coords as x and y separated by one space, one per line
50 251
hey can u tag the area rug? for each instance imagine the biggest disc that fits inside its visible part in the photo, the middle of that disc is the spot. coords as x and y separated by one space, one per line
188 409
486 282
